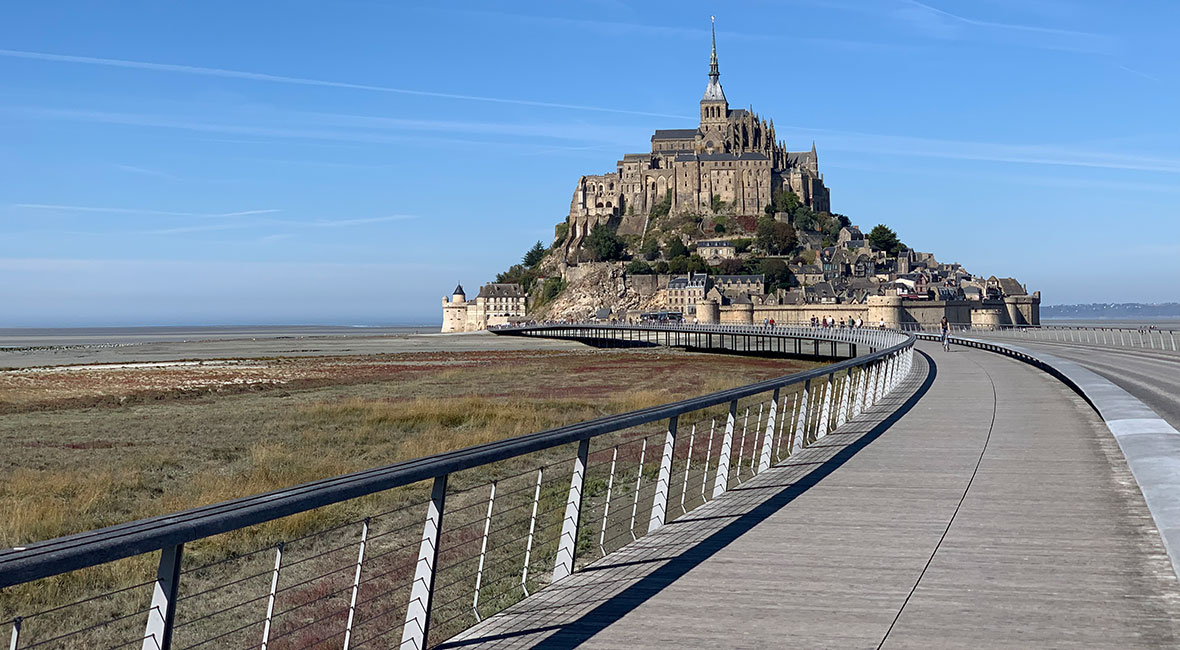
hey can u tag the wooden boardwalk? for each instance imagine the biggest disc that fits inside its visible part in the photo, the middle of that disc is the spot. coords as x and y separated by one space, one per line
992 510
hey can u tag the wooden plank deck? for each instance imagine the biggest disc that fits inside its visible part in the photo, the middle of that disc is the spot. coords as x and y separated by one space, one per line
993 510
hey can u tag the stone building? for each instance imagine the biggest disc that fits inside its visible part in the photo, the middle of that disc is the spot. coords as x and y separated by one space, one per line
685 291
715 250
496 304
733 155
734 285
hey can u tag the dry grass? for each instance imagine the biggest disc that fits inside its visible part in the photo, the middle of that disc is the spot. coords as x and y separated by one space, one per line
68 469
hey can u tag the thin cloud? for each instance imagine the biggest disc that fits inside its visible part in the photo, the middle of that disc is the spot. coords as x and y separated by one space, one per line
303 81
164 213
286 223
338 223
180 230
146 172
940 23
299 132
1140 73
984 151
698 34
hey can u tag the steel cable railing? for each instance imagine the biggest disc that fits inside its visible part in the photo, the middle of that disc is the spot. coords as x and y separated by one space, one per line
1143 338
510 529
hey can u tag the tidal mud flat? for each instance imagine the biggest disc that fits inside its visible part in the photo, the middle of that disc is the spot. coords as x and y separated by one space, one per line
38 351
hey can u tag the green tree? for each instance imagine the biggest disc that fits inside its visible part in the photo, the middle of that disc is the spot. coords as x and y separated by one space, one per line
660 267
731 266
604 244
518 274
550 289
804 218
639 267
776 238
534 255
764 234
777 274
785 237
650 249
742 245
719 228
662 208
676 248
718 205
560 231
678 264
696 264
783 201
883 238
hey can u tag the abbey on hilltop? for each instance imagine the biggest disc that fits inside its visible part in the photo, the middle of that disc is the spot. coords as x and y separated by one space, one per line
731 157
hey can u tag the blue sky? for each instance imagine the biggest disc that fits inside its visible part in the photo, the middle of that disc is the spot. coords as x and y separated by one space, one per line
349 161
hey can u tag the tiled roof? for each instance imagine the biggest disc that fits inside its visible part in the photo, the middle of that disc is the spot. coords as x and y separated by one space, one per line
501 290
734 279
674 134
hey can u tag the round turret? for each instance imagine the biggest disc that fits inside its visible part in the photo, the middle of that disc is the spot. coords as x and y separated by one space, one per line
708 312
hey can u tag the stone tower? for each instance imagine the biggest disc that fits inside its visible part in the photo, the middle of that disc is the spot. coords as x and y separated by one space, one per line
714 108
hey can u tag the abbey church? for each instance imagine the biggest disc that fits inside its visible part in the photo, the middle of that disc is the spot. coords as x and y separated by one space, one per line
732 154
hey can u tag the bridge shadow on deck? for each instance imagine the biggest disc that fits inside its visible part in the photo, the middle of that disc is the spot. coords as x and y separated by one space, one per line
568 613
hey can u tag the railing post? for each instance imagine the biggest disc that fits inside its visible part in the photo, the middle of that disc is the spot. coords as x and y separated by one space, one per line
528 547
157 635
659 503
842 406
692 436
722 483
483 551
638 484
874 378
568 545
610 484
742 445
801 424
826 409
270 601
708 457
768 439
422 593
857 392
15 640
356 584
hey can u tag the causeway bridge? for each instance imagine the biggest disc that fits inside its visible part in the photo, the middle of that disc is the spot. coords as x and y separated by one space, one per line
1020 490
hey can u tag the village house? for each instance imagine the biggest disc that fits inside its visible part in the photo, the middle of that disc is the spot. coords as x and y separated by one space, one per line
850 237
715 250
685 291
733 285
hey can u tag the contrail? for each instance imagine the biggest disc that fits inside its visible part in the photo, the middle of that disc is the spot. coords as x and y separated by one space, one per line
301 81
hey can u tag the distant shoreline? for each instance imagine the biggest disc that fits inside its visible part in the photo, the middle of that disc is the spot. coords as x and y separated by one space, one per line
41 337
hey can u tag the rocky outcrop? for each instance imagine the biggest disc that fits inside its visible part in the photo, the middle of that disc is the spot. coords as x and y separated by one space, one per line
591 286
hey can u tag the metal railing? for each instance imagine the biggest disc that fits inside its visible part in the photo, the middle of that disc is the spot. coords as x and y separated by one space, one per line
502 519
1144 338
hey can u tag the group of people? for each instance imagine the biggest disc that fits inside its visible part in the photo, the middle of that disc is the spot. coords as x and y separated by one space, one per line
851 323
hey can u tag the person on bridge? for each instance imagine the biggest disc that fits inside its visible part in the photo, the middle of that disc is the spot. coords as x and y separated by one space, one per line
946 335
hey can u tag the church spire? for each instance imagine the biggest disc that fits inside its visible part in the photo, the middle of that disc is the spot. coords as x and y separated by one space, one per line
713 92
714 74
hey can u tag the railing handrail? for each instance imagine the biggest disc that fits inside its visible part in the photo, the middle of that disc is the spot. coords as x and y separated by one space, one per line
91 548
1001 327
